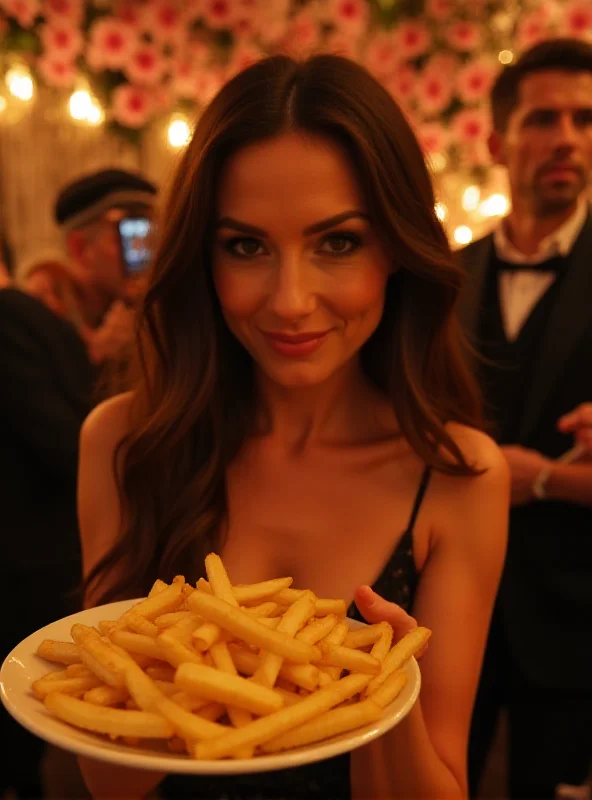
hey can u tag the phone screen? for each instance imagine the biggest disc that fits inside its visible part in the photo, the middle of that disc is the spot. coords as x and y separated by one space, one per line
135 243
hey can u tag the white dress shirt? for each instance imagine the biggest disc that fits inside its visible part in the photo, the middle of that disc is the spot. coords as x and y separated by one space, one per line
519 292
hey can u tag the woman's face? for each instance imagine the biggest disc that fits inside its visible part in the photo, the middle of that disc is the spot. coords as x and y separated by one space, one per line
298 266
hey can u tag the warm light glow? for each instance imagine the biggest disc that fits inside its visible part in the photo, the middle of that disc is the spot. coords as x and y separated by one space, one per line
463 234
95 113
20 84
506 56
438 162
178 132
471 197
3 104
441 211
496 205
80 104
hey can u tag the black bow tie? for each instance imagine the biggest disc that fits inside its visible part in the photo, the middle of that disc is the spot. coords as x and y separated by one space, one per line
555 265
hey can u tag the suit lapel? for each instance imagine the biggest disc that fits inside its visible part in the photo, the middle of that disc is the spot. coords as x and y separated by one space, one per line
568 320
476 261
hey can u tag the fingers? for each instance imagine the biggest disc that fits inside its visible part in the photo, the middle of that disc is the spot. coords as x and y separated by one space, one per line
375 608
579 418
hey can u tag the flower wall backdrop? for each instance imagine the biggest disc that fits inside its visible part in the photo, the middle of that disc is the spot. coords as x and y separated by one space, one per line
130 63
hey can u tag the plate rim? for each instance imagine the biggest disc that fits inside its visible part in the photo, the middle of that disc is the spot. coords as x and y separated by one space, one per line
180 764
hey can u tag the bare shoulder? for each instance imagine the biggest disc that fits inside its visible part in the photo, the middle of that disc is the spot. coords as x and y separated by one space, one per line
481 452
107 424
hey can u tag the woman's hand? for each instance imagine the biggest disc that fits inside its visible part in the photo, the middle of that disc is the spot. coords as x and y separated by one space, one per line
375 608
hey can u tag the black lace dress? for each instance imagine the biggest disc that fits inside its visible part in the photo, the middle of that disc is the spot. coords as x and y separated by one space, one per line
325 780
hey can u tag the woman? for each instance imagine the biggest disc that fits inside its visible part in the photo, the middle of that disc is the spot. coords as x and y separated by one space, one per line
303 390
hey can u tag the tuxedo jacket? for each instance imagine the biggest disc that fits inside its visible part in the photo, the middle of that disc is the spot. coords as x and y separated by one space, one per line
545 598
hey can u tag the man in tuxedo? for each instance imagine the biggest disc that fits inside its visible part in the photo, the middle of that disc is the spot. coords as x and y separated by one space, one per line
528 310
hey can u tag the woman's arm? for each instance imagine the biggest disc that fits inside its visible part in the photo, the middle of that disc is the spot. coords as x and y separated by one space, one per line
99 515
425 756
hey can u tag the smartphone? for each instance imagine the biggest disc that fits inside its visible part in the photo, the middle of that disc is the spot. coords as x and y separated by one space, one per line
136 249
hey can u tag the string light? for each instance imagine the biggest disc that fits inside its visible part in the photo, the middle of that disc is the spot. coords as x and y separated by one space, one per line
20 83
470 198
95 113
441 211
506 56
178 132
463 234
437 162
85 107
496 205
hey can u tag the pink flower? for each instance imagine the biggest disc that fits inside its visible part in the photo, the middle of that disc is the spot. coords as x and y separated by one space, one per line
463 36
243 57
432 137
303 34
132 105
339 44
412 38
208 84
146 66
439 9
531 29
130 12
381 54
111 43
434 93
165 21
444 64
218 14
184 78
470 126
62 40
23 11
56 72
349 16
578 18
475 79
64 10
402 84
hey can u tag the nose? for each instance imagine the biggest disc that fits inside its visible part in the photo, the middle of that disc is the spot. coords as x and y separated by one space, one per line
293 295
566 132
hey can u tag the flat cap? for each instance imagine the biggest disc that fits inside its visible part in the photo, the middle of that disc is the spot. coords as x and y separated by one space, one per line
86 198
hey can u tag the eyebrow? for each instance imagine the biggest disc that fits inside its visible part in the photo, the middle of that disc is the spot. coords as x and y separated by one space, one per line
318 227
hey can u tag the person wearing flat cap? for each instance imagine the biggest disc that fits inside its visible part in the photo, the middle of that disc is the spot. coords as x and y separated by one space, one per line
64 318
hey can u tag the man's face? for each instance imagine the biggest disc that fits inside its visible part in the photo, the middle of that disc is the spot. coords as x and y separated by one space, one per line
101 252
547 145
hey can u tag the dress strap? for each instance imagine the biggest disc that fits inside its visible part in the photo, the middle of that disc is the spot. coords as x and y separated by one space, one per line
425 479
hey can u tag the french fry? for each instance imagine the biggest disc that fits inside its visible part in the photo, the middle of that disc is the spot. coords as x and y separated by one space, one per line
317 629
335 655
174 652
206 635
337 637
61 652
383 645
157 588
72 686
219 580
331 723
238 716
112 721
406 647
254 592
211 712
270 622
267 609
106 696
189 702
363 637
249 629
139 624
167 620
154 606
231 690
266 728
324 606
389 689
136 643
294 619
99 656
161 673
303 675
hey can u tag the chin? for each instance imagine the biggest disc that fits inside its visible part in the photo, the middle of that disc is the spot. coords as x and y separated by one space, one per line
298 376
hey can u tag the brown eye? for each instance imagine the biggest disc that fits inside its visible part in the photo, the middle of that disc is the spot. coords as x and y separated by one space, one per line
244 247
340 244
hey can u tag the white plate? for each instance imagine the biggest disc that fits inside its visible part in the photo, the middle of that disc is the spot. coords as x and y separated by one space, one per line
22 667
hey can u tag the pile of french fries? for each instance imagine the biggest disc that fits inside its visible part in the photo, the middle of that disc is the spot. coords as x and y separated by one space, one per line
221 671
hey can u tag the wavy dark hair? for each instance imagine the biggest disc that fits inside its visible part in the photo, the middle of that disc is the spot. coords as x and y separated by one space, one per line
194 402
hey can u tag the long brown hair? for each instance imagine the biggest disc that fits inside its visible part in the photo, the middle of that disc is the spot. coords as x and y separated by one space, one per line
194 403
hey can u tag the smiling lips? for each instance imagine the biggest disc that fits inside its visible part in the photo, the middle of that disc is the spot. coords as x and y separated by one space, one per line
296 345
